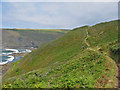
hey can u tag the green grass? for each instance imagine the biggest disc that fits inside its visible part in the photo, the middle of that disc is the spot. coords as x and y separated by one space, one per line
69 61
103 33
113 50
79 72
59 51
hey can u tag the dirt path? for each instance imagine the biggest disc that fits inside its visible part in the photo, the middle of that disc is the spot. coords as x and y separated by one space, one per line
117 72
86 39
117 84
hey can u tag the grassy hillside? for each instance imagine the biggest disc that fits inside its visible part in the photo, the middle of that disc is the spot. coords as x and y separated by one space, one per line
77 59
91 69
112 49
103 33
22 38
51 30
104 36
57 51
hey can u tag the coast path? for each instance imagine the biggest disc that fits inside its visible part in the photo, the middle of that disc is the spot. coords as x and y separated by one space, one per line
117 84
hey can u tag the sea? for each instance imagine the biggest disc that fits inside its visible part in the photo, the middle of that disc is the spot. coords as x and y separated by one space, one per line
8 55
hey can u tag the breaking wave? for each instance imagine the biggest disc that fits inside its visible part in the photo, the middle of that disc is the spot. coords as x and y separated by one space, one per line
6 56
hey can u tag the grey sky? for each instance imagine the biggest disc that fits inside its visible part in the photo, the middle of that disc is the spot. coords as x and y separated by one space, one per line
57 14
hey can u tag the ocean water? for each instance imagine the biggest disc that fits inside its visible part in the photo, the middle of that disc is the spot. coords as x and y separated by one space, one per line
6 55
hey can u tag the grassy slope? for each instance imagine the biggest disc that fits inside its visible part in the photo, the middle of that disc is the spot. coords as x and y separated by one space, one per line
90 69
103 33
57 30
32 38
58 51
68 61
105 38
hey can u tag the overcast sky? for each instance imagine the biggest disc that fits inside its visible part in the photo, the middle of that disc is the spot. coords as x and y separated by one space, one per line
56 14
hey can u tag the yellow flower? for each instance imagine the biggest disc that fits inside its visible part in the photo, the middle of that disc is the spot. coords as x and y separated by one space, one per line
9 84
37 85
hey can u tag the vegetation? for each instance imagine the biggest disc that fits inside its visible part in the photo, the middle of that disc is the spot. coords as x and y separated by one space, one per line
103 33
51 30
113 50
60 50
79 72
82 58
16 38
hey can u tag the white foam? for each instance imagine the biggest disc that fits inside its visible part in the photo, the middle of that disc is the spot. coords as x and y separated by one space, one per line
6 53
2 63
3 53
14 50
28 50
11 58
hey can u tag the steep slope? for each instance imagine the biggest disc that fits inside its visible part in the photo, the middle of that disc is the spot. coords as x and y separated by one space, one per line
90 69
17 38
103 33
57 51
74 60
